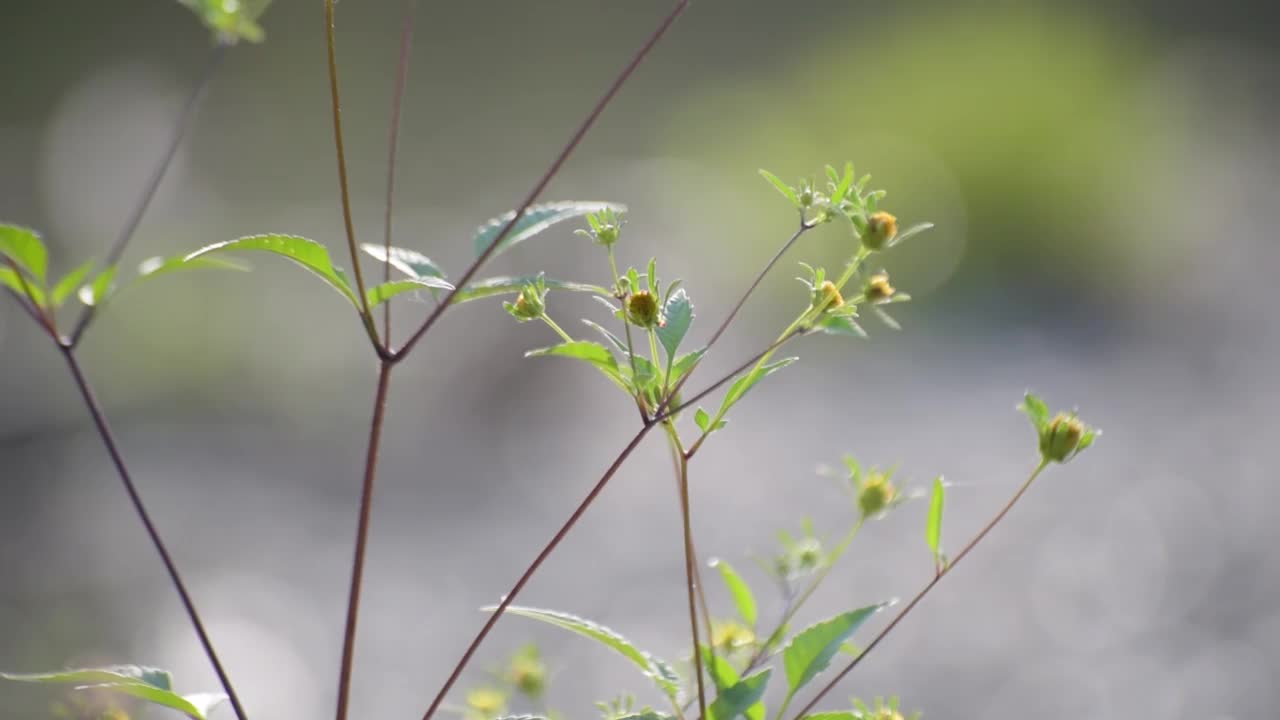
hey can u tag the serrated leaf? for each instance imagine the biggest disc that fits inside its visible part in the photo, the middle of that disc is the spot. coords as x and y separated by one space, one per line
739 698
782 187
20 286
96 292
591 352
685 363
70 283
410 262
379 294
743 599
510 285
156 266
678 316
933 527
744 384
150 684
536 219
1036 410
701 419
659 671
26 249
811 650
840 325
308 253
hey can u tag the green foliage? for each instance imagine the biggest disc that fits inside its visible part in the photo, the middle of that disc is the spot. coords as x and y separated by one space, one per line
742 385
379 294
309 254
25 248
743 599
810 651
678 316
70 283
1062 437
536 219
933 526
738 698
511 285
230 20
410 262
150 684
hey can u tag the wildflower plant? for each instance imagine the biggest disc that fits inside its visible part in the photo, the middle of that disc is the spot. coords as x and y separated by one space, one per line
736 664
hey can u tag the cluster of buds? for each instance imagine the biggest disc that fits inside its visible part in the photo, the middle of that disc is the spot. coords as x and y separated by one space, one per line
531 303
606 227
1063 436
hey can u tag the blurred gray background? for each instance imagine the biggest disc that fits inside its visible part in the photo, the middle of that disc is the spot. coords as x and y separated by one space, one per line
1103 177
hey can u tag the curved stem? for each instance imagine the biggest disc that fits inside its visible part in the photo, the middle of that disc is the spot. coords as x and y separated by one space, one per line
335 105
362 537
179 132
533 568
551 172
117 459
393 147
925 591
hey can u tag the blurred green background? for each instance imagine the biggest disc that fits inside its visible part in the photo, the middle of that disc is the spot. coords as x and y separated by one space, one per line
1103 177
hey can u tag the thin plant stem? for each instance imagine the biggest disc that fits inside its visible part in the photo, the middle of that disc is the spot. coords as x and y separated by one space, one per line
559 330
335 105
113 449
663 415
41 315
529 572
925 590
547 176
178 133
362 536
393 151
690 564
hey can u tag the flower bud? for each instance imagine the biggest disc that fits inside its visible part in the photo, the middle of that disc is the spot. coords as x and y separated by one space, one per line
827 296
876 494
643 309
486 703
729 635
1061 437
808 553
881 228
878 288
530 305
528 673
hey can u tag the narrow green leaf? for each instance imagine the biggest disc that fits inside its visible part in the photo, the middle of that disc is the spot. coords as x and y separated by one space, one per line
909 232
782 187
308 253
587 351
678 316
743 384
536 219
685 363
70 283
613 339
811 650
98 289
1036 410
150 684
886 318
701 419
511 285
21 285
156 266
26 249
840 325
410 262
737 699
158 696
659 671
933 528
738 589
379 294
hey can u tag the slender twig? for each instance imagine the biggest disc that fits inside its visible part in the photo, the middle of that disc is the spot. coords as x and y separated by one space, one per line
335 104
113 449
547 176
393 147
178 133
362 536
925 591
728 320
690 568
533 568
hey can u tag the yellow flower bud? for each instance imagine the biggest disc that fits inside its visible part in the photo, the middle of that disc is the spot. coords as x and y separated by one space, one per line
1061 438
729 635
881 228
486 702
643 310
878 288
828 296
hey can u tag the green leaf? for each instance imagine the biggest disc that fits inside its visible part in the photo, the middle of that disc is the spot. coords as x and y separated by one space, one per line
96 292
1035 409
743 384
933 528
811 650
150 684
156 266
510 285
840 325
738 588
536 219
678 316
70 283
308 253
913 230
685 363
410 262
738 699
886 318
26 249
613 339
20 285
587 351
659 671
379 294
701 419
230 21
782 187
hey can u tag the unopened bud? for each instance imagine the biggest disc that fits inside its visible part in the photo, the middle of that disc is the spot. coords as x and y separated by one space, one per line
1061 437
827 296
643 310
881 228
878 288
